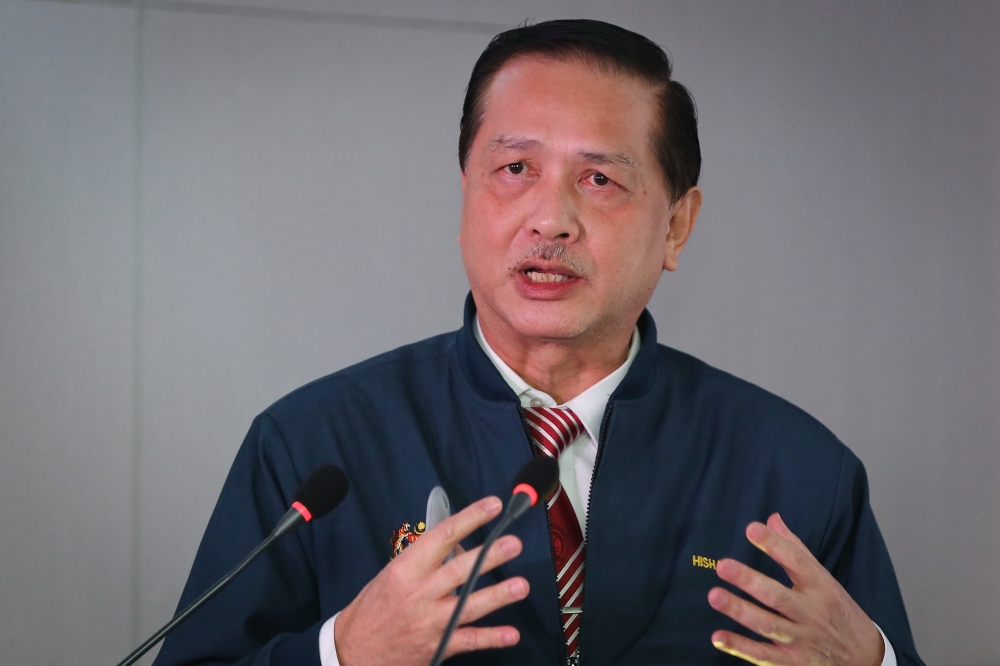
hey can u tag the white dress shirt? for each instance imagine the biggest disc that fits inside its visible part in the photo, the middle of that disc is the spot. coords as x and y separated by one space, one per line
576 462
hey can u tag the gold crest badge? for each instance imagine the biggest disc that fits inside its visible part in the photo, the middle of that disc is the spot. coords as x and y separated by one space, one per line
404 536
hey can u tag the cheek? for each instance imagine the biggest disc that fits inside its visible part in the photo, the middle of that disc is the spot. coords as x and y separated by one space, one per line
490 216
486 235
636 261
479 231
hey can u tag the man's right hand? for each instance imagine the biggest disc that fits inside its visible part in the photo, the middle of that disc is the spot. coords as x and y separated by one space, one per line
400 616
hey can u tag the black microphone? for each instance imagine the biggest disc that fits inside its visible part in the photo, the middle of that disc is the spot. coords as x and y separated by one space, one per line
536 479
318 496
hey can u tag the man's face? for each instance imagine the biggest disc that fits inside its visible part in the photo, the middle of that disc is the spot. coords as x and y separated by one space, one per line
566 219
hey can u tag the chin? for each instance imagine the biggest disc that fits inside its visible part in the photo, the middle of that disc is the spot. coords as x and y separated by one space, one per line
559 323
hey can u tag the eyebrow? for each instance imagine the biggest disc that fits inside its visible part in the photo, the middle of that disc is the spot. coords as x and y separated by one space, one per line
523 143
609 158
513 143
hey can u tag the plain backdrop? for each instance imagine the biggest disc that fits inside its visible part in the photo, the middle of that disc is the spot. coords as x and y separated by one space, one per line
204 205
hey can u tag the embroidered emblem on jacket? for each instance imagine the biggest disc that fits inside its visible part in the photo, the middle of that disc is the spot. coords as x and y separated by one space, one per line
404 536
701 561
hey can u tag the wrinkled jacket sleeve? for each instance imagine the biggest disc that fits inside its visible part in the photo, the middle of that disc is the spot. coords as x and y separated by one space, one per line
855 553
269 614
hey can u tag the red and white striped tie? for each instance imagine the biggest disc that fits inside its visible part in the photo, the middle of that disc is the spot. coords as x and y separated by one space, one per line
552 429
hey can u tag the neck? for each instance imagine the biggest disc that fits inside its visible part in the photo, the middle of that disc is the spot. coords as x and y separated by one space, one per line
561 368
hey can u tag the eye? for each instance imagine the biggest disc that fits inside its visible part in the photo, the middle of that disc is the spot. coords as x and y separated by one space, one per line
600 179
515 169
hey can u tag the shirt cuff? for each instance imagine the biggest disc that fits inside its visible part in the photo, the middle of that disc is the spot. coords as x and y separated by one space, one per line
888 660
328 645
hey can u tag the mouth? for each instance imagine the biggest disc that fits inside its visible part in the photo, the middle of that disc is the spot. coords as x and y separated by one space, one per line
540 276
545 272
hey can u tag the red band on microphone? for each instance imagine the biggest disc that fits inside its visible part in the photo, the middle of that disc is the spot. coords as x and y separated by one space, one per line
300 507
527 490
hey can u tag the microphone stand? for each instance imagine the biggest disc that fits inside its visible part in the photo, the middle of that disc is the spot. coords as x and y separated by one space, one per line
287 523
519 503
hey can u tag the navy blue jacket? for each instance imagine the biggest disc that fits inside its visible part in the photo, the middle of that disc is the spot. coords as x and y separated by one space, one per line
688 456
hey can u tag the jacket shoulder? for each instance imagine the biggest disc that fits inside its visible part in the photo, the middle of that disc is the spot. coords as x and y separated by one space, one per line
760 416
418 366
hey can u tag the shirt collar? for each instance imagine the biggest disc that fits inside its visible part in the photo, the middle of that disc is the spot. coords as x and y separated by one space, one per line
589 405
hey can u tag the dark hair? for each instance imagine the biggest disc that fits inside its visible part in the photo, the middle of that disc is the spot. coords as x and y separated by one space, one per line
613 50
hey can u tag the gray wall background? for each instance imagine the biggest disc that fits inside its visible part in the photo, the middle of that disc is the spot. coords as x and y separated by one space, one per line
204 205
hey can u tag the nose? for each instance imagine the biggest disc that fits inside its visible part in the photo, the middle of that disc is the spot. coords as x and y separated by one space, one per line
554 214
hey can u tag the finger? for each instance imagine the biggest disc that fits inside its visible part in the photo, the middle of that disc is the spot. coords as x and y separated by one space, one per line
467 639
752 616
757 653
456 571
798 563
776 523
485 601
434 545
766 590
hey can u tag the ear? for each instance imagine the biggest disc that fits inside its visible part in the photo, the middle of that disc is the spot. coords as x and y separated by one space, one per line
683 215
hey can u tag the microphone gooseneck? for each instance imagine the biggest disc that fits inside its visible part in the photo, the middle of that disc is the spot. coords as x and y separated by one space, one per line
317 496
536 479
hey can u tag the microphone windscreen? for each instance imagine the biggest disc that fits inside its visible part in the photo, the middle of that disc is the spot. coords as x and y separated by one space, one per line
323 490
541 473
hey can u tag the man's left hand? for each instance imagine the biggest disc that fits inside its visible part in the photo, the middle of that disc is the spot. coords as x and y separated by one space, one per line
817 622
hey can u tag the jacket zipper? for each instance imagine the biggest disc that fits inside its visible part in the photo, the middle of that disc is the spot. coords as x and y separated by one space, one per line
602 435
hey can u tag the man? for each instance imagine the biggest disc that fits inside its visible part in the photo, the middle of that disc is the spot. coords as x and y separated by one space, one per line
579 161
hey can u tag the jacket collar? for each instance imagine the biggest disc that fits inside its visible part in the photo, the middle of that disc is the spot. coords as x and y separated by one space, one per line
487 382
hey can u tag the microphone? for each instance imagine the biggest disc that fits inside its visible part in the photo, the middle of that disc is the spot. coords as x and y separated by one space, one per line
317 496
536 479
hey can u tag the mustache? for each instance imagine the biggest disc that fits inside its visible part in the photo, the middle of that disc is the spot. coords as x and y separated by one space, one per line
552 252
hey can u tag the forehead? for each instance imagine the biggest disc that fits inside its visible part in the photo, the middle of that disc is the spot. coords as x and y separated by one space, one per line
569 105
